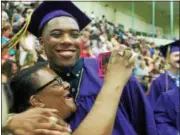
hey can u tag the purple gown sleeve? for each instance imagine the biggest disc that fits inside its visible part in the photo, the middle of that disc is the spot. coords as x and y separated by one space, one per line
139 108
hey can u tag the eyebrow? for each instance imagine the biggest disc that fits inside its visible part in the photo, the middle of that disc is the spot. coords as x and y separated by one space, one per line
64 30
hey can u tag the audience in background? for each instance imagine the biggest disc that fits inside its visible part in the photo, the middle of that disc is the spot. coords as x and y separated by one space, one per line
17 18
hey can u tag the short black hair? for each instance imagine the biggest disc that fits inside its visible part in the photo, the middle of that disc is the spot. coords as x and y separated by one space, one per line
7 68
22 87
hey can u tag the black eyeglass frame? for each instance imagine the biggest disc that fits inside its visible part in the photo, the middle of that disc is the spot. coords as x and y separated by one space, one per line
57 78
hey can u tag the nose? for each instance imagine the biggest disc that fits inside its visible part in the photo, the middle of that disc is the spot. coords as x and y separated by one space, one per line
66 39
66 85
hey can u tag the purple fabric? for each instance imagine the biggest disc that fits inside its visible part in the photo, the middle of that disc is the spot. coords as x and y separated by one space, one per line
53 14
166 113
174 49
178 118
134 115
158 87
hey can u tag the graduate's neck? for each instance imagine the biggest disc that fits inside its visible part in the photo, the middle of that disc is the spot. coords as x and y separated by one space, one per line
58 68
174 71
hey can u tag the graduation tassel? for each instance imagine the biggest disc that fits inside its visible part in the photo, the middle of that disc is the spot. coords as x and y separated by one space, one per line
16 38
167 66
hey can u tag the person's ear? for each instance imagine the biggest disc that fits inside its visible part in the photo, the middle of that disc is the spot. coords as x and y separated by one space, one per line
36 101
41 42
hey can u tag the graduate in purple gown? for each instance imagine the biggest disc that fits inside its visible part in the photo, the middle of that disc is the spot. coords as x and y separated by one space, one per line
134 114
167 112
170 79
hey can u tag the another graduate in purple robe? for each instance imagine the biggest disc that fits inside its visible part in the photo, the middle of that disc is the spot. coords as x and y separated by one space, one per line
170 79
134 114
167 113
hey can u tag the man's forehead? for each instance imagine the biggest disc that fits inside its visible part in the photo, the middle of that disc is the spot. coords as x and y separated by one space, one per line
62 23
175 53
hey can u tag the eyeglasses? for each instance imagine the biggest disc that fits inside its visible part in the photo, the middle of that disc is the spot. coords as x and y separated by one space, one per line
57 79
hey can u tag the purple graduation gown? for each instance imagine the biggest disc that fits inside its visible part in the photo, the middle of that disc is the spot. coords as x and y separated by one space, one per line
158 86
178 118
167 113
134 115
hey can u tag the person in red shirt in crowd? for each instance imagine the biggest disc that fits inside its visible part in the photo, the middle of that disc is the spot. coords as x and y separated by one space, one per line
86 50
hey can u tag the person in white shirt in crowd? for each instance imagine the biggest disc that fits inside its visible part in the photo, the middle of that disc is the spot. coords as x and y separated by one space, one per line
4 14
94 34
141 71
100 48
92 15
114 41
28 54
106 43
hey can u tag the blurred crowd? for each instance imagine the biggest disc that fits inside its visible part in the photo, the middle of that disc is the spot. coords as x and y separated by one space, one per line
99 37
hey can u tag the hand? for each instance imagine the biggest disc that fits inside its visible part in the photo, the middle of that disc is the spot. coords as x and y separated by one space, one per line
120 65
36 121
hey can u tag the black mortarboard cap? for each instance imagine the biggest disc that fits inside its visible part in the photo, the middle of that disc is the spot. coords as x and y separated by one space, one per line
47 7
173 47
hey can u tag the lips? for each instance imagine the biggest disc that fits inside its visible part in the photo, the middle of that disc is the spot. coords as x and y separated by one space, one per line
70 49
66 53
68 95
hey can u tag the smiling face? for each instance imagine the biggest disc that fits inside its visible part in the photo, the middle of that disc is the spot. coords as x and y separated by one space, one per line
174 60
54 94
61 41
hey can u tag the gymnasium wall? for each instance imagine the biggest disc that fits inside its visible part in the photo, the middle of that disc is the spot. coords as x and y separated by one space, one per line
120 13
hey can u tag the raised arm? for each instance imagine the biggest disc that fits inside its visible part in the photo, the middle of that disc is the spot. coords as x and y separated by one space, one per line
100 119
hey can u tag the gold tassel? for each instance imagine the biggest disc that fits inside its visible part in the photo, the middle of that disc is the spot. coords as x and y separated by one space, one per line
167 66
16 38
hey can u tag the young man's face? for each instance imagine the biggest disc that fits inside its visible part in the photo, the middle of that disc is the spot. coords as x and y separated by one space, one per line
61 41
175 59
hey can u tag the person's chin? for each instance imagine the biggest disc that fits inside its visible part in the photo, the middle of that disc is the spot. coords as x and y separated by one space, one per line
71 105
68 62
73 108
